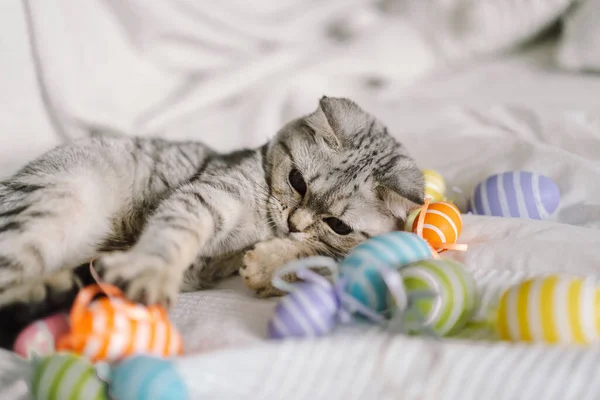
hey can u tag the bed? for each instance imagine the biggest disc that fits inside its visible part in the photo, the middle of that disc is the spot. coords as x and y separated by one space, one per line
471 89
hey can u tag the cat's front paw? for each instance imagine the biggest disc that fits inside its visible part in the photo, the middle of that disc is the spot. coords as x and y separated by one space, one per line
259 265
144 278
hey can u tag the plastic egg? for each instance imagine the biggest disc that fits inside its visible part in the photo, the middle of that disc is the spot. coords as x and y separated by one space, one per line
308 311
110 328
146 378
518 194
435 186
65 376
410 219
360 267
41 336
553 309
442 224
455 290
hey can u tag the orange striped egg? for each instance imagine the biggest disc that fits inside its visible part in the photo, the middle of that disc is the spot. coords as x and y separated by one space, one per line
442 224
111 328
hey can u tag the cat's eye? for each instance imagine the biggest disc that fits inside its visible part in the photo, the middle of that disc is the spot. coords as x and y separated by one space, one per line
297 182
338 226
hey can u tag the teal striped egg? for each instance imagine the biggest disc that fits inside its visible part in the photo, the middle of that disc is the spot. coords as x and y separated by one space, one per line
66 376
146 378
391 250
454 305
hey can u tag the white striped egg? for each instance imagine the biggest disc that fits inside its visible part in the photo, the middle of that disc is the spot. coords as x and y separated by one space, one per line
519 194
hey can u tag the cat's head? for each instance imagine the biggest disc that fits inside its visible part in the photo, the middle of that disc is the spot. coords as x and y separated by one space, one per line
337 178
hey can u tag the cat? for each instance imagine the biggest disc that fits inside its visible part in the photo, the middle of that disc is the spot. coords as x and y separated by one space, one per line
159 217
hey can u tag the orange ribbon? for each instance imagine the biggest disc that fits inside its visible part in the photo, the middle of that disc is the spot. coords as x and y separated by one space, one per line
435 245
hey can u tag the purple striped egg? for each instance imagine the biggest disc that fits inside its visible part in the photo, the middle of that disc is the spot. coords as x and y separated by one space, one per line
518 194
310 310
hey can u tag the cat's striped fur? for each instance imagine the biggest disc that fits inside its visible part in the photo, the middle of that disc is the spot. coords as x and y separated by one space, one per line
165 216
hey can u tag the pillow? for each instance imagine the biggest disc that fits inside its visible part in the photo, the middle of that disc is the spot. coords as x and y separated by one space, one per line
579 46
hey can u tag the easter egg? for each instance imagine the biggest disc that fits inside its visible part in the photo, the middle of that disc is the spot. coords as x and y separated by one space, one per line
110 328
361 271
435 186
518 194
310 310
442 224
65 376
454 305
145 377
41 336
552 309
410 219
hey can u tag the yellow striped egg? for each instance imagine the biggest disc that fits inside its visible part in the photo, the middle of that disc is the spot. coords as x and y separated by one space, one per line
554 309
435 186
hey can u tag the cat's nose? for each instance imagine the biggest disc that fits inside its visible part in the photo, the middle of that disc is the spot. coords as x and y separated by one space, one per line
292 228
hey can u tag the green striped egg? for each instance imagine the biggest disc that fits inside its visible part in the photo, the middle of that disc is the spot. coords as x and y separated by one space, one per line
455 304
65 376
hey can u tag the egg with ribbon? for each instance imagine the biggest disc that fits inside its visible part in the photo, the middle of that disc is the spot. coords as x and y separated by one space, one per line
315 306
112 327
518 194
453 295
361 267
441 224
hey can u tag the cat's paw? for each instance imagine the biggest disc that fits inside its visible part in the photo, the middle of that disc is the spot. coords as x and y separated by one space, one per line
144 278
259 265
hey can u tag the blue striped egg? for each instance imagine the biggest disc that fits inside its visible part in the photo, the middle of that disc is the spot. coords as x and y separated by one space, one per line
518 194
145 377
360 267
310 310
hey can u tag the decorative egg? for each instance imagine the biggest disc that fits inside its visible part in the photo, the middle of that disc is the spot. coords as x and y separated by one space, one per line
435 186
454 289
41 336
552 309
145 377
442 224
65 376
110 328
410 219
518 194
310 310
361 271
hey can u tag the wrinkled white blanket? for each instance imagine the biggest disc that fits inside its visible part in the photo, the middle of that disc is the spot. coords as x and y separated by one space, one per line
230 74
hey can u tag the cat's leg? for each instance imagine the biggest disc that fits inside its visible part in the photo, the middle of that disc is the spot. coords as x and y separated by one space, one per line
193 217
261 262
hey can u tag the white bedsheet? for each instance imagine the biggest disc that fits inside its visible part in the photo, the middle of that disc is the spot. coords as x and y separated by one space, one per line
516 111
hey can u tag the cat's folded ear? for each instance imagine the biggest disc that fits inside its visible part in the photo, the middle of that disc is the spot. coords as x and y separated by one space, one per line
402 193
336 119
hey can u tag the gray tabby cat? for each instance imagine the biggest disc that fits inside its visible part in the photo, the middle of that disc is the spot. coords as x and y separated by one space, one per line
162 216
